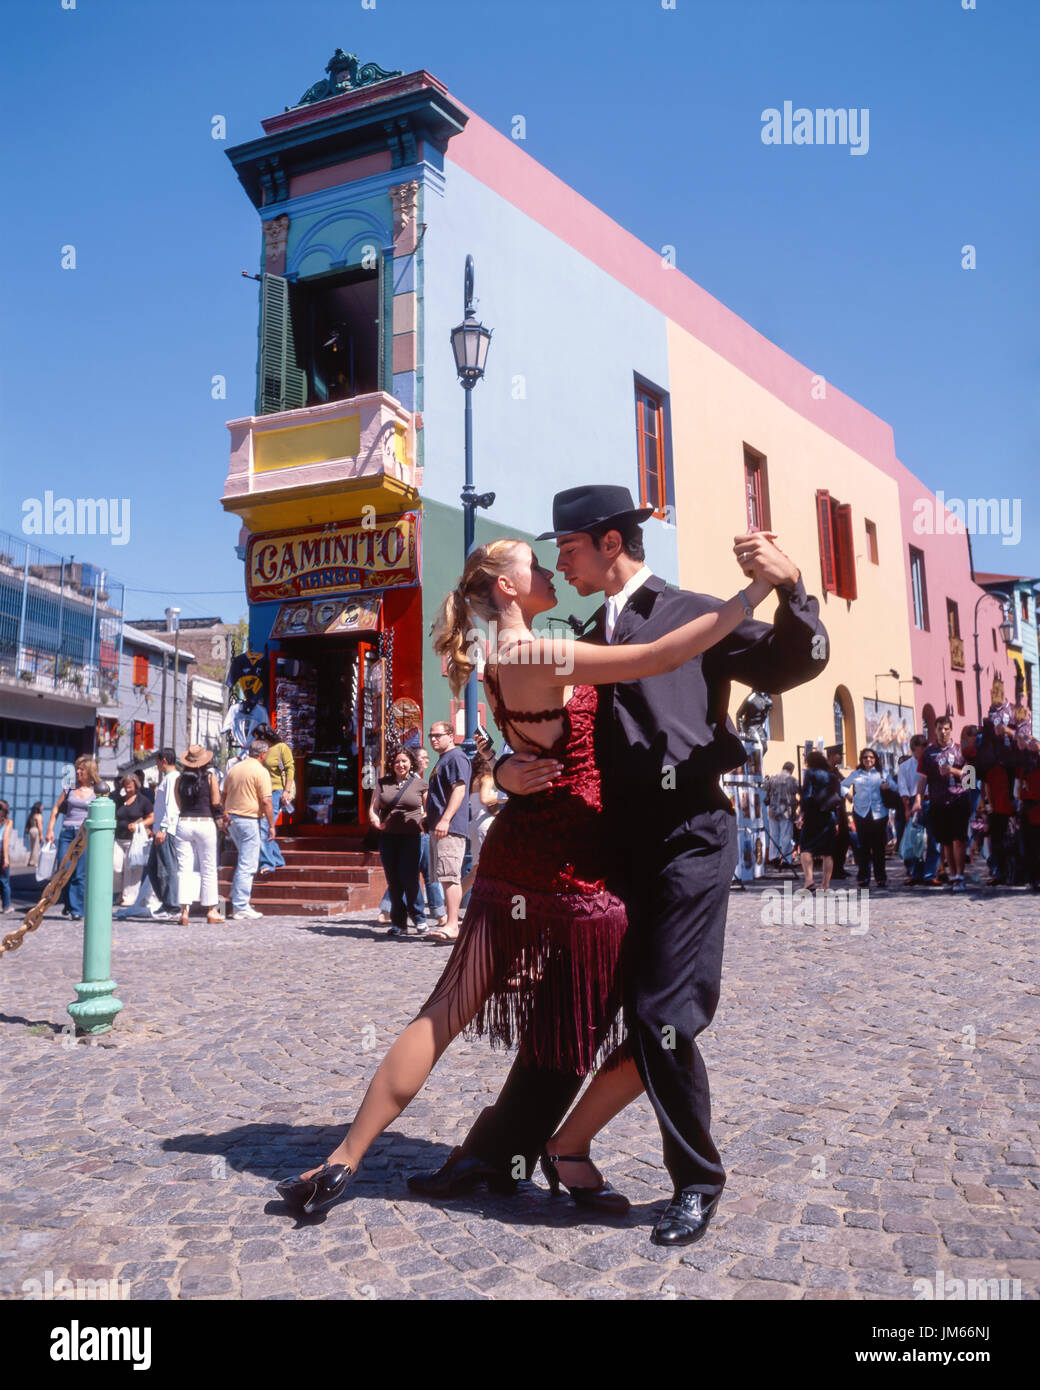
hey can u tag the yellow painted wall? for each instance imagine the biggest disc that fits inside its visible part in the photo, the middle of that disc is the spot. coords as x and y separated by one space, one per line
715 411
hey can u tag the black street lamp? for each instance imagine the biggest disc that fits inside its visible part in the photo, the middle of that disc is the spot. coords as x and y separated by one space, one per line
1007 632
470 341
892 672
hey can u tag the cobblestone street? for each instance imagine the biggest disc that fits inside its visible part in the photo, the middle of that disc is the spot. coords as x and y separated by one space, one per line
875 1099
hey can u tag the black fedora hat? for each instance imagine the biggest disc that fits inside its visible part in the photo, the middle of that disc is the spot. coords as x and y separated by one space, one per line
581 508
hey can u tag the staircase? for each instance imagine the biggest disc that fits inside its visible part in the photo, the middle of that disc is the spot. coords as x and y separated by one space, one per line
322 877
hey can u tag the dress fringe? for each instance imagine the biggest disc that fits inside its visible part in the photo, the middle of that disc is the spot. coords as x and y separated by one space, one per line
543 972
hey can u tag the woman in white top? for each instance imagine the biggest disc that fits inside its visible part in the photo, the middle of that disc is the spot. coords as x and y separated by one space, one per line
483 803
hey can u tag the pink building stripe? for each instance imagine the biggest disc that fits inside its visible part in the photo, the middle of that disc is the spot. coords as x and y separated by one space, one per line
503 166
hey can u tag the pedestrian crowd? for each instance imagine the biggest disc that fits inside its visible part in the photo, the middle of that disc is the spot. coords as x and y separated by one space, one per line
946 804
425 828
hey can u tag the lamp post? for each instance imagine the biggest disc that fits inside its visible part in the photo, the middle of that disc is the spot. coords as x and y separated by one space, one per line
1007 632
469 342
892 672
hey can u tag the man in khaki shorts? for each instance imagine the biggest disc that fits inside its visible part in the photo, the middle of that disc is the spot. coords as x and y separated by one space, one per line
447 811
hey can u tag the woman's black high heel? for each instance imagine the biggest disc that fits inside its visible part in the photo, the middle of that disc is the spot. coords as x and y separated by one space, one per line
603 1198
312 1194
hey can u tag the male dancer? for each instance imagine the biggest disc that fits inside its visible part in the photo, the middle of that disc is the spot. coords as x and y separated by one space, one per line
661 744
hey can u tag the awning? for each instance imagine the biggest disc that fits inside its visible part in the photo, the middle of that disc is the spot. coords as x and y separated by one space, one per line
329 618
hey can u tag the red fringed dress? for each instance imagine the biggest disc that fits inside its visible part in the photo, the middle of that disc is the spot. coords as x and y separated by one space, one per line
537 961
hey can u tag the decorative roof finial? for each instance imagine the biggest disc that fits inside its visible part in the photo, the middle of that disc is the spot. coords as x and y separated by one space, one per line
344 75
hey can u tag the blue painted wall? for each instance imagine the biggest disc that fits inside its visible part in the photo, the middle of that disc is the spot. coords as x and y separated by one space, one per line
557 406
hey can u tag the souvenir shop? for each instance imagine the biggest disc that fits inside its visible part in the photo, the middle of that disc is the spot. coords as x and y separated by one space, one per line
335 659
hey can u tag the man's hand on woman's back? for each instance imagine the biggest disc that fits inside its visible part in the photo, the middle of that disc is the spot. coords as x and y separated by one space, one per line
521 774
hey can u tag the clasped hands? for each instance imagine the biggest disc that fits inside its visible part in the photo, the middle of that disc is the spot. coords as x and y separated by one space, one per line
760 557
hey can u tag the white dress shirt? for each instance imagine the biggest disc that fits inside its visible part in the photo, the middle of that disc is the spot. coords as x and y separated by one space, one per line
615 602
167 812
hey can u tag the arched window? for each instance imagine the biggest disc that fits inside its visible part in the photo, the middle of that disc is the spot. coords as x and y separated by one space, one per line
845 726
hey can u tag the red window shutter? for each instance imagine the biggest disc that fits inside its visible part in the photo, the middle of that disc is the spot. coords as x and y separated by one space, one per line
844 553
823 522
140 670
641 447
149 737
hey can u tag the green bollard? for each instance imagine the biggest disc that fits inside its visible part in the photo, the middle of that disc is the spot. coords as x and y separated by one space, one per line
96 1005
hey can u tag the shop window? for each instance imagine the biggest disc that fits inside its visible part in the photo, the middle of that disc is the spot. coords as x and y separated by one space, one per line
837 558
144 738
872 550
140 670
919 588
320 339
652 451
756 490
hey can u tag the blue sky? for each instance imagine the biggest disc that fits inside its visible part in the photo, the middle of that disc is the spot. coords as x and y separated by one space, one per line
850 263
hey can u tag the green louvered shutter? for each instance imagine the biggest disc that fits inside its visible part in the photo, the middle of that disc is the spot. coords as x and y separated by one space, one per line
283 386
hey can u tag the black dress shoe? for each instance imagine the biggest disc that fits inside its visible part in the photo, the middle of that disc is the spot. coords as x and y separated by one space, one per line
460 1174
603 1198
685 1218
313 1194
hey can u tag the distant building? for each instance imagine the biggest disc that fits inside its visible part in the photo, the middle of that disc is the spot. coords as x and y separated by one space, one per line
60 631
207 637
151 708
1023 648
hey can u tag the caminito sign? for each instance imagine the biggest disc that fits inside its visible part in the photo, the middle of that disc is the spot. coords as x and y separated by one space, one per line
342 558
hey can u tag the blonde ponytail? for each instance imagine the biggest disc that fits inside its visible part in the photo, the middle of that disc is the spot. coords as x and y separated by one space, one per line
454 627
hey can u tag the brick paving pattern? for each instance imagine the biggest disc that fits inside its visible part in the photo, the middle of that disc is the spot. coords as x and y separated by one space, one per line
875 1097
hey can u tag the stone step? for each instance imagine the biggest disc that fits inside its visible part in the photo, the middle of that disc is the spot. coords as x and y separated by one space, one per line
270 886
301 907
292 873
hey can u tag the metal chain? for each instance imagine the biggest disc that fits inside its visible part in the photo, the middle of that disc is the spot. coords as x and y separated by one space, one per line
51 893
386 651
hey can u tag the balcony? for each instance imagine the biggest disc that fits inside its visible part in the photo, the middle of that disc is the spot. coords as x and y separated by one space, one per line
957 653
34 673
322 463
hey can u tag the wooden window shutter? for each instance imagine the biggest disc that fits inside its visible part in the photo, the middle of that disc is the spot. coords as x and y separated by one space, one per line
641 449
823 521
844 551
140 670
282 385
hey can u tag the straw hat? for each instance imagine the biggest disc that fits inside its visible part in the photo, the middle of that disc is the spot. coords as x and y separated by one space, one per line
196 756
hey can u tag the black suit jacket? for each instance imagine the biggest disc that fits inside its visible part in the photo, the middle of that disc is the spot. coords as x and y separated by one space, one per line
662 742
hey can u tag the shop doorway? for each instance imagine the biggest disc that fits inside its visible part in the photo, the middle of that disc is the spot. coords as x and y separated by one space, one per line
328 706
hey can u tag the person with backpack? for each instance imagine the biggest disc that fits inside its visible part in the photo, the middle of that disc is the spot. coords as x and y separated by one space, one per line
780 795
282 770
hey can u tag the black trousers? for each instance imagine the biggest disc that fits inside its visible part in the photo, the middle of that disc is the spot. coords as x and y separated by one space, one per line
871 833
677 894
841 846
400 855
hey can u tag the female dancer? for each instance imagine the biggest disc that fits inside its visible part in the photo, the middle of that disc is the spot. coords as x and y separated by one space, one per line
539 917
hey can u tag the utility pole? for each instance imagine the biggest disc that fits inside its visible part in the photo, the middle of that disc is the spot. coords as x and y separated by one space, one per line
176 670
162 706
